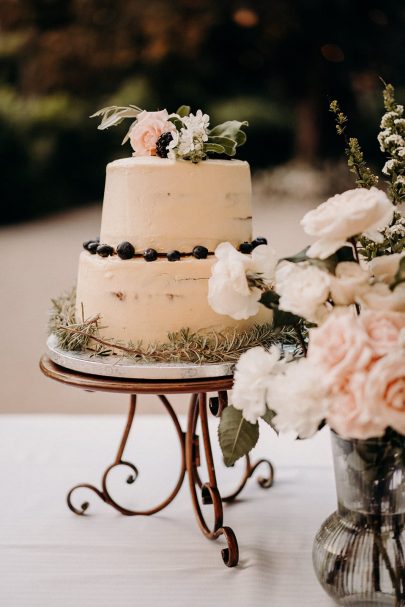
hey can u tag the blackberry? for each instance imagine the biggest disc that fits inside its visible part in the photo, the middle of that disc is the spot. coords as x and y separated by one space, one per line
245 247
162 143
88 242
258 241
173 256
92 247
104 250
150 255
125 250
200 252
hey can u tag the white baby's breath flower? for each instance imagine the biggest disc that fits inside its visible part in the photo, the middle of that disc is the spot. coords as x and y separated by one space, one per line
252 374
399 109
388 119
382 137
389 166
401 152
346 215
395 230
400 180
304 290
230 291
395 140
399 122
298 398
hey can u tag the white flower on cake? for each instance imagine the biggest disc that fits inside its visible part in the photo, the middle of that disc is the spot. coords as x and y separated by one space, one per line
230 289
147 129
304 290
189 142
346 215
251 381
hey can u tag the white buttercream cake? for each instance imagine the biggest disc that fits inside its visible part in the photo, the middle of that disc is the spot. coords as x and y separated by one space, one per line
172 209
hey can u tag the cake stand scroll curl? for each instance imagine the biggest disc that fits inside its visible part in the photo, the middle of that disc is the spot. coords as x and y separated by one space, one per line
202 493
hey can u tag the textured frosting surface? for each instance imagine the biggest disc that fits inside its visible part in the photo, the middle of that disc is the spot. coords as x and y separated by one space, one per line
167 204
141 300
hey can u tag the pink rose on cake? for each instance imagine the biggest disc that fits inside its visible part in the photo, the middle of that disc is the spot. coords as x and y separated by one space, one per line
147 129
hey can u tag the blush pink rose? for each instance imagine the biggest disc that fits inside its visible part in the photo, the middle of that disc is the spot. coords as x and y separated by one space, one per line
351 414
383 329
339 348
385 390
146 131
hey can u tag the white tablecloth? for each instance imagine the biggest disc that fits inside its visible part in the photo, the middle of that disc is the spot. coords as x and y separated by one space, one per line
50 557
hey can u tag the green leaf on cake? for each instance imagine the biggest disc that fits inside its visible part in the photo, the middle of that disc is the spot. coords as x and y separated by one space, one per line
236 435
183 110
231 129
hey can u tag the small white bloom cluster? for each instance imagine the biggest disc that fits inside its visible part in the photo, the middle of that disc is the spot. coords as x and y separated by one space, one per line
390 166
398 229
188 143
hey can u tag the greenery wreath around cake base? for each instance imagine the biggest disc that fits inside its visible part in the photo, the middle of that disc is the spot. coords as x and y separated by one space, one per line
183 346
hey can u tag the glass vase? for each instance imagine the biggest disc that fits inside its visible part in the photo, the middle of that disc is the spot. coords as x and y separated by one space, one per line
359 552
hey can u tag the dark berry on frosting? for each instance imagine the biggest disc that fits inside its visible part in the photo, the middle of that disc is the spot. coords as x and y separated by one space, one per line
92 246
245 247
125 250
104 250
150 255
88 242
258 241
173 256
200 252
162 143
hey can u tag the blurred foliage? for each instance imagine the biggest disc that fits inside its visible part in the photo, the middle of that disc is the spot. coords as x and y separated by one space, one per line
275 64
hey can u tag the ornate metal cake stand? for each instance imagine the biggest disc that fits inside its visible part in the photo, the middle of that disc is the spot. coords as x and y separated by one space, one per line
190 444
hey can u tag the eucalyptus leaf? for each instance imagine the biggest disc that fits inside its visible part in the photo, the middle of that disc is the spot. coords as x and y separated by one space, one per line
229 145
231 129
177 122
114 114
213 147
298 257
237 437
183 110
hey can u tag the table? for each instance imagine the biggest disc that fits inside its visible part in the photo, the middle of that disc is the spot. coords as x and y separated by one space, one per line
52 558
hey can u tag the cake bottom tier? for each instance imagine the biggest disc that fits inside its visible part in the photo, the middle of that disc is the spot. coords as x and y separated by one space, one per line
139 300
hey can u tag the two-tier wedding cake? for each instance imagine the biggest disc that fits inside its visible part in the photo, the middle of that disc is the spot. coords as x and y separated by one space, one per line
165 211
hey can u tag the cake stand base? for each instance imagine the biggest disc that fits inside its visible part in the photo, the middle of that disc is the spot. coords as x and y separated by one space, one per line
190 445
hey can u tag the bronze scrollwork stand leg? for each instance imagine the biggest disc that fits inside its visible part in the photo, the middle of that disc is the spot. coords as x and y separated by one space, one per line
190 462
105 495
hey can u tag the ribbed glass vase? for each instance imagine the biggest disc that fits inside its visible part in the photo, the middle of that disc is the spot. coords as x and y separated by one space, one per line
359 552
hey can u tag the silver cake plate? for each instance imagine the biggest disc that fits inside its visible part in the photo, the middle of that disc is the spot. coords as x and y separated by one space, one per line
120 367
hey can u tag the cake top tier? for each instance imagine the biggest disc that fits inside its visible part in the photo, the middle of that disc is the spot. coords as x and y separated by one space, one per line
169 205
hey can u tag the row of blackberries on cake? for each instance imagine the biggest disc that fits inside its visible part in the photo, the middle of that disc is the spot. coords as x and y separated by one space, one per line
125 250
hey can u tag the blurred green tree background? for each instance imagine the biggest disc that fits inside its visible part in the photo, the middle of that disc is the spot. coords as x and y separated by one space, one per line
275 63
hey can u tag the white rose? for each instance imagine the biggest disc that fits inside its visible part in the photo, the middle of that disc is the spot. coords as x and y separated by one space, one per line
384 268
303 290
380 297
349 280
297 398
250 388
344 216
229 291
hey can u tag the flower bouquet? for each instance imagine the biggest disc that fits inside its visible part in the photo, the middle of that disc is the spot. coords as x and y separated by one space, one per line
345 298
